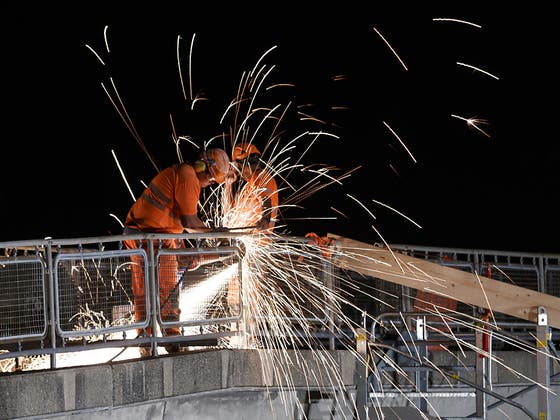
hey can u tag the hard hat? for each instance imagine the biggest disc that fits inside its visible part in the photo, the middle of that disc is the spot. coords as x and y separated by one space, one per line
217 163
243 151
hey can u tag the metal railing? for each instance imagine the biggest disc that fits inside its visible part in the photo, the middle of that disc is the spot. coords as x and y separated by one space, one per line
72 294
65 295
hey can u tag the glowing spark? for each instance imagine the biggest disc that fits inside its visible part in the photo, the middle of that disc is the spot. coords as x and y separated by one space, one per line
396 211
180 72
486 299
457 20
394 169
190 69
97 55
477 69
400 141
262 58
364 207
122 174
105 37
118 220
443 318
391 48
339 212
472 122
277 85
307 117
504 274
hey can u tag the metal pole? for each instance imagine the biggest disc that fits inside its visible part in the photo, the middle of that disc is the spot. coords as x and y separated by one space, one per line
480 378
421 376
52 313
153 286
543 364
329 282
360 375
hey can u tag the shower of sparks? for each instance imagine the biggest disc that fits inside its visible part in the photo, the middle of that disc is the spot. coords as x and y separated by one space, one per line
473 122
391 48
284 298
290 289
458 21
477 69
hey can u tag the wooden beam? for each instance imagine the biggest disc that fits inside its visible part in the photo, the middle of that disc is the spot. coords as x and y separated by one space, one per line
446 281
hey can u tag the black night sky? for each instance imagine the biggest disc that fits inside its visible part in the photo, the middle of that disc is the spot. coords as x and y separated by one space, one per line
466 189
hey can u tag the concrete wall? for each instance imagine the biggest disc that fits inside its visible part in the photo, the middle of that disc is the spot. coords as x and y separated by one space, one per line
222 381
231 385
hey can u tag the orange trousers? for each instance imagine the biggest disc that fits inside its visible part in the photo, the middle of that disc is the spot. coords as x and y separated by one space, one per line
168 284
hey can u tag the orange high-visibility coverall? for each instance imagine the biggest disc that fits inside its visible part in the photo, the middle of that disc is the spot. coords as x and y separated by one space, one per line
256 204
173 192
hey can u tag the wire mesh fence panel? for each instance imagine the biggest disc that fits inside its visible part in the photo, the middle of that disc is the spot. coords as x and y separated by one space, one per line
22 298
552 280
94 292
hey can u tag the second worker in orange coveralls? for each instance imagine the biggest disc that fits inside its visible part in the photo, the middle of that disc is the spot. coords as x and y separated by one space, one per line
170 205
255 204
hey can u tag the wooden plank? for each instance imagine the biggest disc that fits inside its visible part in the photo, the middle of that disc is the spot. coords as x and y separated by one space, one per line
446 281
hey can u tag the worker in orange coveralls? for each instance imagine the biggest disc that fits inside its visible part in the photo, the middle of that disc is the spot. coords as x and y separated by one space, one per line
170 205
255 204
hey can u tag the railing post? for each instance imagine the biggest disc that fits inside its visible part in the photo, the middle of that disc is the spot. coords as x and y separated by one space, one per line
329 283
421 375
154 292
52 310
360 375
480 372
543 364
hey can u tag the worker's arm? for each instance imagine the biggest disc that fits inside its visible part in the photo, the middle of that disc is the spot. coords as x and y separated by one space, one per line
193 224
266 214
231 178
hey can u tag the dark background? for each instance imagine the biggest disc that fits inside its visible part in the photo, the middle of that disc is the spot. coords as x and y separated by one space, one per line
466 190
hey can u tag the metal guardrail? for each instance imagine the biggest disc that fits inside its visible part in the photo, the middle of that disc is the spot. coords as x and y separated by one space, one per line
61 295
70 294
